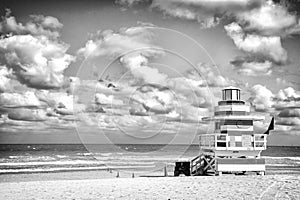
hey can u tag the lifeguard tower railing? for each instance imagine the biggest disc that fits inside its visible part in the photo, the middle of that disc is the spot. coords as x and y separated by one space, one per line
218 141
223 153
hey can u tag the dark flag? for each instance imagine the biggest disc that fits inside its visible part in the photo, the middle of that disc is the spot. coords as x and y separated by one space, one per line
271 126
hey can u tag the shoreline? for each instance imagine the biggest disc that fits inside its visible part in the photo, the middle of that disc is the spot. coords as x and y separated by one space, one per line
123 173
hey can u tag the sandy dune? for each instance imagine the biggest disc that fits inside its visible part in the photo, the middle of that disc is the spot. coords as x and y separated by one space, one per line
224 187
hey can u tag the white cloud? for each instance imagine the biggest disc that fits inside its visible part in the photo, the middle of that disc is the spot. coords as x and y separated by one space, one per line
37 25
260 46
269 19
36 61
283 105
288 93
260 16
114 44
207 13
133 46
206 20
33 52
139 68
252 68
211 78
28 98
4 78
262 97
107 100
61 102
153 99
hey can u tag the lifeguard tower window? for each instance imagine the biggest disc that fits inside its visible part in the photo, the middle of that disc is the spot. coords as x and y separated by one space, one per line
238 122
231 94
220 103
230 113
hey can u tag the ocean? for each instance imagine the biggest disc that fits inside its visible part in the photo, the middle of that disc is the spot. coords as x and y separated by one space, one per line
138 158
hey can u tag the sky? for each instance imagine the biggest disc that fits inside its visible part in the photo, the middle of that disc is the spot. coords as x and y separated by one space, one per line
142 71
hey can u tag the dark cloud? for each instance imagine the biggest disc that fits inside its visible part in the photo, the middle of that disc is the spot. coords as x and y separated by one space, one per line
25 114
288 121
289 113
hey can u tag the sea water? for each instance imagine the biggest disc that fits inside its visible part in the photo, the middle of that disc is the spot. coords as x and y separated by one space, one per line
138 158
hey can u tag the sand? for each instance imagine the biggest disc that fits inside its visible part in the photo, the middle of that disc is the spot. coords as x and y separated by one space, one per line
201 187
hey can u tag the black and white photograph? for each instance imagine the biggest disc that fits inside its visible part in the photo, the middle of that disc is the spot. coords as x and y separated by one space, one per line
149 99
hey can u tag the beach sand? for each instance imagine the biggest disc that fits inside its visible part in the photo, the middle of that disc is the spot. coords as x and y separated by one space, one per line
201 187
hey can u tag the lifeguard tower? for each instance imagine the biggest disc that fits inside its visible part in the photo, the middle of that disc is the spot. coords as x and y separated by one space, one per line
234 147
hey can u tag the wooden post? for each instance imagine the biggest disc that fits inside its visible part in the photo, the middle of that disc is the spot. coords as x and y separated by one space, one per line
165 171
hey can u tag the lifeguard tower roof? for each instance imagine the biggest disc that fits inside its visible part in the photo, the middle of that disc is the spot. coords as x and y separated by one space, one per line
231 88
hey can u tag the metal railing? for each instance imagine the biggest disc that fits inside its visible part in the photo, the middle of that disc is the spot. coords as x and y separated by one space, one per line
223 142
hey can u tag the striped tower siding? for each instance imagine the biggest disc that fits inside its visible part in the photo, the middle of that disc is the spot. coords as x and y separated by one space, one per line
243 108
240 132
233 127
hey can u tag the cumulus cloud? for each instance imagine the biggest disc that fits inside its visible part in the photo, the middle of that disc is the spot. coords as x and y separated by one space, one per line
139 68
114 44
211 78
251 67
33 51
27 98
154 99
269 19
133 46
260 16
262 97
288 94
107 100
260 46
5 75
258 32
193 92
37 25
185 11
206 13
36 61
60 102
283 105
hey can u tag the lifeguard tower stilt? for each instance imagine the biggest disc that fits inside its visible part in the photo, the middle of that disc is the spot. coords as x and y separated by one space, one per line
233 147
